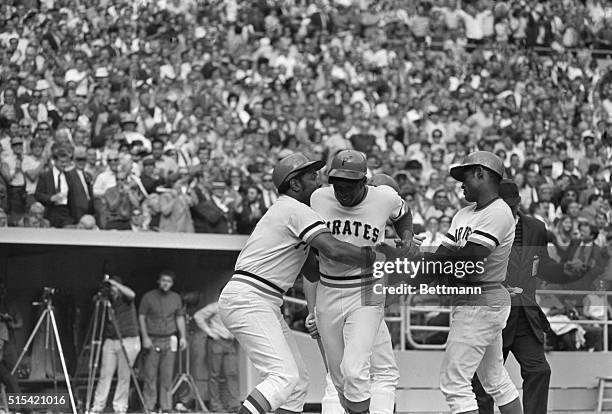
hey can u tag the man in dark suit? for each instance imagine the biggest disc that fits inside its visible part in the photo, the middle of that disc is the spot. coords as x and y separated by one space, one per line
527 324
80 184
53 188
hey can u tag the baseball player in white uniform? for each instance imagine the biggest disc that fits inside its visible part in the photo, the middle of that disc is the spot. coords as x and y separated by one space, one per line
267 266
349 316
483 231
384 373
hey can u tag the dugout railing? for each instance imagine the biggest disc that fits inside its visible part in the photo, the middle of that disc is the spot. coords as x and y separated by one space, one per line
409 309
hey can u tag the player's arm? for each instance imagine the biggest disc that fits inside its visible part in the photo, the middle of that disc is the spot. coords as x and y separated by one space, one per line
400 216
346 253
310 278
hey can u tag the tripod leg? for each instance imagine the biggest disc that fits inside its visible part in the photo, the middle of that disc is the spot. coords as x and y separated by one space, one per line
196 393
96 350
63 361
29 342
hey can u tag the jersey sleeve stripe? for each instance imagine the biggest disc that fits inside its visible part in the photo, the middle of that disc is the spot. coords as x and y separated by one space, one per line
451 237
316 232
402 212
482 240
488 235
310 227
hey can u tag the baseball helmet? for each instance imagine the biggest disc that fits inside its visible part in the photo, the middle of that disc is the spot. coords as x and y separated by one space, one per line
483 158
349 164
384 179
292 165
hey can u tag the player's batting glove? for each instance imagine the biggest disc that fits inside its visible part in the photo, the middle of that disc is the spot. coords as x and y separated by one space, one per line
311 325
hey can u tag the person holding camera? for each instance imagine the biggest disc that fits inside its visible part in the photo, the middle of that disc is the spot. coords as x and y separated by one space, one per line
161 319
121 200
121 300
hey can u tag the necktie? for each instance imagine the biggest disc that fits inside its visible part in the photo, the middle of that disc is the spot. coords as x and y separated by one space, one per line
59 182
534 195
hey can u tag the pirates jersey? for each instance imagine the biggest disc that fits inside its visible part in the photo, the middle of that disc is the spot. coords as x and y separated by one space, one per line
491 226
360 225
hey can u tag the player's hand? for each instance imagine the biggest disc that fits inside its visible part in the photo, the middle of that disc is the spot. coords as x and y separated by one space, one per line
574 268
183 344
147 343
514 291
311 325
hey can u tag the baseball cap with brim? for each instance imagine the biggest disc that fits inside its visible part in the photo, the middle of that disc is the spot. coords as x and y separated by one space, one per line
484 159
509 192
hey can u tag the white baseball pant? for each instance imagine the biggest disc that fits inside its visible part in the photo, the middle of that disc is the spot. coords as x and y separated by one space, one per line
475 346
383 373
349 330
259 326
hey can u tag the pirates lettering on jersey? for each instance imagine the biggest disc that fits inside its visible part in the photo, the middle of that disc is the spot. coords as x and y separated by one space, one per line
462 233
354 228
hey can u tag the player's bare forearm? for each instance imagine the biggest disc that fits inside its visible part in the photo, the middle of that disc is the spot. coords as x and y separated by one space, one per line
180 323
404 227
310 292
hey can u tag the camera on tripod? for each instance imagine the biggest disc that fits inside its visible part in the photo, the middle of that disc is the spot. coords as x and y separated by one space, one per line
104 290
47 296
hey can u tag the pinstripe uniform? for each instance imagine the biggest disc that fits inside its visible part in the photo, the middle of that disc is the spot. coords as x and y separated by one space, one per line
475 338
250 303
349 320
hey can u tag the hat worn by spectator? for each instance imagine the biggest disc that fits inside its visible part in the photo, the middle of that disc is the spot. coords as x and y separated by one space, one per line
16 141
127 119
148 161
218 185
42 85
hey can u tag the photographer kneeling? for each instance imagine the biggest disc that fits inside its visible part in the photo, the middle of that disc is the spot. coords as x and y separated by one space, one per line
121 299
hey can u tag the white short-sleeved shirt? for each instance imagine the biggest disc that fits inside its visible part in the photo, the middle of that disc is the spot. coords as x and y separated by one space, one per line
360 225
279 245
491 226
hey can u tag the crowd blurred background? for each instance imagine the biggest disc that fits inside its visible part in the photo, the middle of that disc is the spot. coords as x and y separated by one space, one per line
170 115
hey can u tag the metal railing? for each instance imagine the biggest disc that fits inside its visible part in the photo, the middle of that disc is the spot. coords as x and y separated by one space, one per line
407 310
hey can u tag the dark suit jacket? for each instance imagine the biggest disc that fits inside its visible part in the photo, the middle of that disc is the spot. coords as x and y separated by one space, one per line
207 217
77 198
520 269
59 216
316 22
597 259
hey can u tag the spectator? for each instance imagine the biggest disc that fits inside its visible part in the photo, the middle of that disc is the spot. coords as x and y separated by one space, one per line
150 180
87 222
249 210
53 188
175 212
121 300
12 172
33 165
35 217
433 235
80 198
120 200
161 319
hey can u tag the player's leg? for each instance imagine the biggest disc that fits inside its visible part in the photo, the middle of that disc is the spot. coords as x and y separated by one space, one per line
465 348
384 373
330 321
258 326
295 402
492 372
361 327
330 404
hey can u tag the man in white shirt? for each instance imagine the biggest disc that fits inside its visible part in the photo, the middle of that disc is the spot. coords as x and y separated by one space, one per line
268 192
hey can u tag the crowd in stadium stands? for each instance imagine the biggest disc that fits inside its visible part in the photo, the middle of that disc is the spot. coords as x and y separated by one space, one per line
170 115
